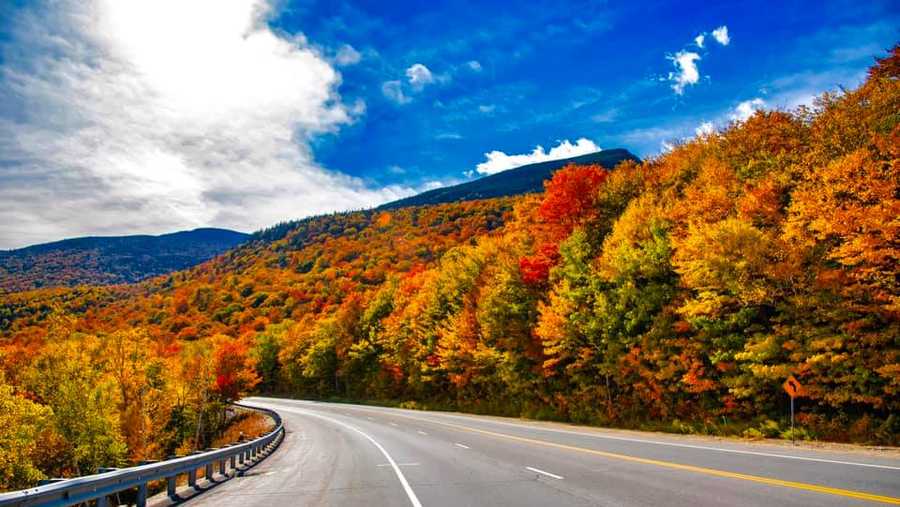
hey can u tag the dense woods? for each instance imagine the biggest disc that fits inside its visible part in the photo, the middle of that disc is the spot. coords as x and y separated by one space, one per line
677 293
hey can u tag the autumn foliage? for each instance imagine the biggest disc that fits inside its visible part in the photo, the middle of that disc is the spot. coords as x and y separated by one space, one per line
677 294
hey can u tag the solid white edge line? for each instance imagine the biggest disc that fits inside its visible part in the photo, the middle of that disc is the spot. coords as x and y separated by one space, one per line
674 444
457 444
548 474
413 499
420 432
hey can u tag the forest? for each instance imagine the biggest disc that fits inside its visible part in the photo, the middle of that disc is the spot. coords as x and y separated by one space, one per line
673 294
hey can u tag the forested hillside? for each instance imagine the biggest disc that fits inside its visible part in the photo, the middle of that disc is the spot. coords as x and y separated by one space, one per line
110 260
677 293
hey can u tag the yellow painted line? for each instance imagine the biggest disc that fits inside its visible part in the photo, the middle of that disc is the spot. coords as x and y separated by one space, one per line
859 495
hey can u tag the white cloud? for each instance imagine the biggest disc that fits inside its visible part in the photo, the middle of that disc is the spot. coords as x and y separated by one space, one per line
746 109
474 65
448 135
699 40
705 129
498 161
122 117
419 75
347 55
688 74
487 108
721 35
394 91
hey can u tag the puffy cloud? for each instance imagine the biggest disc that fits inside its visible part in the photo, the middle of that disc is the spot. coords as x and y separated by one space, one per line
122 117
687 74
721 35
746 109
699 40
474 65
498 161
394 91
347 55
706 128
419 76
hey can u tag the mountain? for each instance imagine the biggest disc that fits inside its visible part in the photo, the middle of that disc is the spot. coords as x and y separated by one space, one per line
521 180
98 260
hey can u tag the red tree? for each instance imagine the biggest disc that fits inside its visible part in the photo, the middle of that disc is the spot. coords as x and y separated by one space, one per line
569 200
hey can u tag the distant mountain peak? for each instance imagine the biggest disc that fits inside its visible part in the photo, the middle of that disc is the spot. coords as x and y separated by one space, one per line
520 180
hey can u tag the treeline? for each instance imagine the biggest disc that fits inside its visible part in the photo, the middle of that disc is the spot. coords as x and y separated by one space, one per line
677 293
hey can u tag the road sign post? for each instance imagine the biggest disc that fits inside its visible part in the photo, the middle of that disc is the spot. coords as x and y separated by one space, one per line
794 389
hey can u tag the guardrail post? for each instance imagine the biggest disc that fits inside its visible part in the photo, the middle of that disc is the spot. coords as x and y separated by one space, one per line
103 501
233 461
222 467
141 500
209 471
171 486
192 478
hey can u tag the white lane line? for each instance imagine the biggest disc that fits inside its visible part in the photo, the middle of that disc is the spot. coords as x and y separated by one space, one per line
369 418
462 446
393 424
674 444
413 499
399 464
420 432
548 474
636 440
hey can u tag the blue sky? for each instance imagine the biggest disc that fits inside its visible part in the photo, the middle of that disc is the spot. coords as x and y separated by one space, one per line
564 70
148 117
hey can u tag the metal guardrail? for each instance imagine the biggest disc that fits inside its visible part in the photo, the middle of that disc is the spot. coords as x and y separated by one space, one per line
99 487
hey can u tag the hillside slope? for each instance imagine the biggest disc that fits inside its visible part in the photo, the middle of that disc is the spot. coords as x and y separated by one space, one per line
110 260
521 180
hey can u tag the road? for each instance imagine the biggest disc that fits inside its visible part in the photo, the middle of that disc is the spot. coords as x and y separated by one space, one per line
339 454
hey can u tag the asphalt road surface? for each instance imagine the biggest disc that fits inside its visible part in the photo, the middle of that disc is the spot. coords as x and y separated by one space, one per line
338 454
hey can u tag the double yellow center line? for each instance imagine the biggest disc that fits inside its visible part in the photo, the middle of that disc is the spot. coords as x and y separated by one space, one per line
858 495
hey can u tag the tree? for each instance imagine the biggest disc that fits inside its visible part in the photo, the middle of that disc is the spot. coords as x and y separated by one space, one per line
23 424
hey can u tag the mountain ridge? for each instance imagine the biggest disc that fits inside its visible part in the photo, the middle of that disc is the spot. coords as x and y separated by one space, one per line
108 260
524 179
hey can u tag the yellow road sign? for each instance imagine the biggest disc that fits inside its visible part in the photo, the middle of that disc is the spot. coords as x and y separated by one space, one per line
793 387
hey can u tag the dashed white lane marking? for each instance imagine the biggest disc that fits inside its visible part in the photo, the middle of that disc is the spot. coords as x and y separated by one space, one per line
462 446
420 432
413 499
539 471
369 418
393 424
399 464
668 444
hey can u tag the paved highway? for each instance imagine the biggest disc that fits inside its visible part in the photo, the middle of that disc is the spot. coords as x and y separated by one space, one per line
337 454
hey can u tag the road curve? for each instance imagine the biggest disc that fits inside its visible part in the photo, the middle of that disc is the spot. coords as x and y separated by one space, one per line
339 454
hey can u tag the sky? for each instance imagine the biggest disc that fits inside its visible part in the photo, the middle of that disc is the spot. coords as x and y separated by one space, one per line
127 117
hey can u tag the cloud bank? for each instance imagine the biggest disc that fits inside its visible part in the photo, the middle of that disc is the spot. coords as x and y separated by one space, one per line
498 161
120 117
